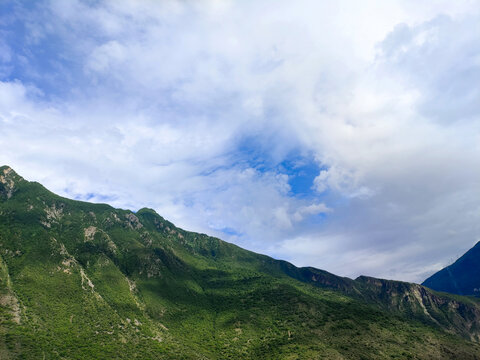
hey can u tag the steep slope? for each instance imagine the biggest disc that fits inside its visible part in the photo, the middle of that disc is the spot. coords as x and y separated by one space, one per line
462 277
454 314
87 281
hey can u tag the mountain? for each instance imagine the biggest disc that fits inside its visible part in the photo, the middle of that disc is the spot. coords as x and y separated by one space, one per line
462 277
87 281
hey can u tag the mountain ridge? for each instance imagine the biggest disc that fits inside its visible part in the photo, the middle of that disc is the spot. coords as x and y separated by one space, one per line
82 280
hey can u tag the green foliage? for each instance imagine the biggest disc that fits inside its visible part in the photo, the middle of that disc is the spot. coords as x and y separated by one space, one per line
86 281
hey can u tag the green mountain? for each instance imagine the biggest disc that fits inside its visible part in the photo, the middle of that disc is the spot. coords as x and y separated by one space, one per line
87 281
462 277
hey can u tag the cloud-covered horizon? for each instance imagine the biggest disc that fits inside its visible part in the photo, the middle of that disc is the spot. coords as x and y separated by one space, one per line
344 136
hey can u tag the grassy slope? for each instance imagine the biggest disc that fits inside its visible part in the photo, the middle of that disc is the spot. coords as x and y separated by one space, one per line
86 281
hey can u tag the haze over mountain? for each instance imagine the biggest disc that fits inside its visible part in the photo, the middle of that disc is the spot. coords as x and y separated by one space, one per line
336 134
462 277
88 281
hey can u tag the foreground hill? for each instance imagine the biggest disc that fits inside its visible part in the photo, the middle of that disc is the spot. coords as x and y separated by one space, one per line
87 281
462 277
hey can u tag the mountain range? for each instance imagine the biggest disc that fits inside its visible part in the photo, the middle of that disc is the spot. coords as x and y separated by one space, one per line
88 281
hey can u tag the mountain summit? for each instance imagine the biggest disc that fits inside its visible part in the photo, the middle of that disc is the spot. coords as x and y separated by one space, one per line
462 277
87 281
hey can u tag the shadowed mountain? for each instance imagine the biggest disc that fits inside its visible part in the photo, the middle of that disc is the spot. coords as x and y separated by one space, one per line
462 277
87 281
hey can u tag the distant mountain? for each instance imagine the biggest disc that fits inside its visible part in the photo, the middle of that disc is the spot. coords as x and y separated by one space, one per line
87 281
462 277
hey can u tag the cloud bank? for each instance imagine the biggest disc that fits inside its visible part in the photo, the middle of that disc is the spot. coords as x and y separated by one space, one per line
341 135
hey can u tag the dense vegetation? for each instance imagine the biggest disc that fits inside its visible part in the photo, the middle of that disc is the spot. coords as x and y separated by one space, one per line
87 281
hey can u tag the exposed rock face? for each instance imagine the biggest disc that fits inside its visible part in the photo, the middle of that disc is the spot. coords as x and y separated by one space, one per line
53 212
7 183
133 222
89 236
446 312
90 233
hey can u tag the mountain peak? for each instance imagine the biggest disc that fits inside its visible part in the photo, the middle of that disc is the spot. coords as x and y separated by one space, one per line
461 277
7 172
5 169
8 180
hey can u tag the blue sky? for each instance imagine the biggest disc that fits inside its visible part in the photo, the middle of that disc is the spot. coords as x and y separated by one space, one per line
342 135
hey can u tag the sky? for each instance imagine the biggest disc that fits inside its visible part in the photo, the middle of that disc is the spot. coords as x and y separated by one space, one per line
343 135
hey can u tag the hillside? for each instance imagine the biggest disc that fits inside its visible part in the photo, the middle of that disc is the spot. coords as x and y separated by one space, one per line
462 277
87 281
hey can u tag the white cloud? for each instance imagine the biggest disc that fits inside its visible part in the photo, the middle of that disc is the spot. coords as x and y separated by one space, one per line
149 104
312 209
